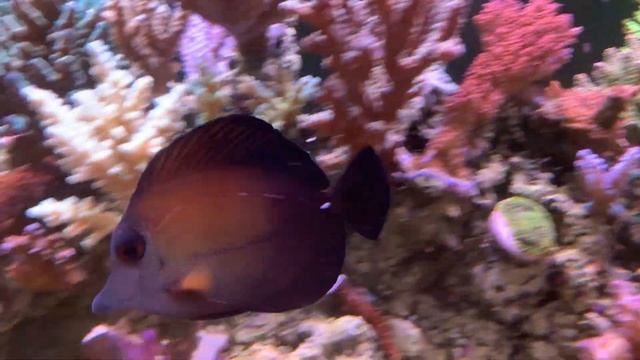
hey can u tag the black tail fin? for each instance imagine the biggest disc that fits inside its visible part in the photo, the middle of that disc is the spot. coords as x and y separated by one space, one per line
362 194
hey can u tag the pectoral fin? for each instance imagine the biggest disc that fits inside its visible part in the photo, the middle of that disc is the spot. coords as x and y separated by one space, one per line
199 280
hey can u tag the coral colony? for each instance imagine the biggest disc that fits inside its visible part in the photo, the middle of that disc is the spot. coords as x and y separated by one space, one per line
515 224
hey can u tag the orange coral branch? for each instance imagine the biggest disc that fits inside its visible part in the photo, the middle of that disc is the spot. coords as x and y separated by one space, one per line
354 302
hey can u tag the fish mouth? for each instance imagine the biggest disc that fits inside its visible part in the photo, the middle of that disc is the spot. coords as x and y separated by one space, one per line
104 305
119 294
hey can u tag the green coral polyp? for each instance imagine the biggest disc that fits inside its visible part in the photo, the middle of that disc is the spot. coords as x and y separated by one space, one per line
523 228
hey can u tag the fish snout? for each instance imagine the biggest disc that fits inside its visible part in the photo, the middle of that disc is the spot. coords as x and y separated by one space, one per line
103 305
99 306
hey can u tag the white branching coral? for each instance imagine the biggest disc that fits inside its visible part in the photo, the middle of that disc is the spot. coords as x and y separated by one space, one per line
105 135
85 217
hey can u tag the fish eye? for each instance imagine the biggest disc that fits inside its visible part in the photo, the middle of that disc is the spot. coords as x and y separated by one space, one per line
131 248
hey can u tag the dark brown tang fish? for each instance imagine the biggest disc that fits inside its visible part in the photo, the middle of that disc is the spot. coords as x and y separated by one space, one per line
233 217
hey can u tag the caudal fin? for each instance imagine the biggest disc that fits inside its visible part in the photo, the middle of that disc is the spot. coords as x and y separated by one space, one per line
362 194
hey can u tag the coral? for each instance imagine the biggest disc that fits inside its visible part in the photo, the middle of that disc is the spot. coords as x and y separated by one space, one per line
108 133
40 262
211 344
147 32
106 136
523 228
353 301
620 340
618 67
604 184
205 45
277 93
113 342
44 40
248 22
632 25
590 113
21 188
379 54
311 337
86 218
521 44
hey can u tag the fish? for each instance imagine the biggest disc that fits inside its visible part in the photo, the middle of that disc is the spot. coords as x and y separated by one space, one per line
233 217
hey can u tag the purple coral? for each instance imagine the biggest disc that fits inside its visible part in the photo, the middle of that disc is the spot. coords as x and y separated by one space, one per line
107 342
205 45
604 184
622 339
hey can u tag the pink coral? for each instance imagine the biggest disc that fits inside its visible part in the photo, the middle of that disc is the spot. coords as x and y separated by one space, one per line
378 52
591 114
147 33
40 262
205 45
522 44
621 342
246 20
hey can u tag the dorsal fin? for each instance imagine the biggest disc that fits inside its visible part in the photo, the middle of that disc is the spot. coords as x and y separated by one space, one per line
234 140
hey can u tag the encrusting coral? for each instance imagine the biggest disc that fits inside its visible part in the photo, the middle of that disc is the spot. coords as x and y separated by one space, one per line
106 136
147 33
378 53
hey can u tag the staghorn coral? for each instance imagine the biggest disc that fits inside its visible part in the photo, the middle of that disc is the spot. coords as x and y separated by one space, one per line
379 53
522 43
44 41
147 33
106 136
248 21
